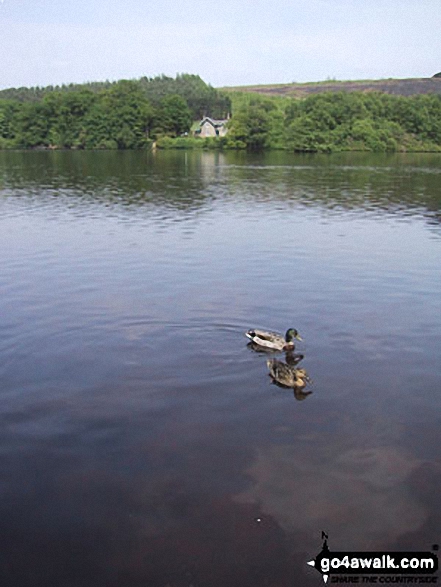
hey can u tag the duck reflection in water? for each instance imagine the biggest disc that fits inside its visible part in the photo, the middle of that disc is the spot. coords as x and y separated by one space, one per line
290 357
300 395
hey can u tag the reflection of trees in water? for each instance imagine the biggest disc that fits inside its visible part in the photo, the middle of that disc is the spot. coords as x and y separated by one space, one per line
398 184
129 180
189 180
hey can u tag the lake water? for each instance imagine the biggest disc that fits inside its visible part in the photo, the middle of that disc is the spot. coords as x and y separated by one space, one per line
141 441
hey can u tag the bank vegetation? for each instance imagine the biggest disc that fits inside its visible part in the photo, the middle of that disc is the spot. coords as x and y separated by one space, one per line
162 111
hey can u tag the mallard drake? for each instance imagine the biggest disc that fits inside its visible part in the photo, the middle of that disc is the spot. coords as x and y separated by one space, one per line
287 375
273 340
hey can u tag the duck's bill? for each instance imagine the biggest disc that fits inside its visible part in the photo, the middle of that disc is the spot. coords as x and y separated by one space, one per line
298 337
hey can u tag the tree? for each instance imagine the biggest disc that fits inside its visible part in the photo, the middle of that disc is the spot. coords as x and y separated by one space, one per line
251 125
66 113
303 136
8 112
173 117
120 117
202 99
32 125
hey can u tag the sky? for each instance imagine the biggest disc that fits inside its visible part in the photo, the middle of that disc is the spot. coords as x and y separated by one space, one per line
226 42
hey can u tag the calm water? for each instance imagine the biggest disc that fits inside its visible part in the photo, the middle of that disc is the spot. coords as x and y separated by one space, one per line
141 440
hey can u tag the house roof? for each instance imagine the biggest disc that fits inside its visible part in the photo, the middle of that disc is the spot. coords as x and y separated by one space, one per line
212 121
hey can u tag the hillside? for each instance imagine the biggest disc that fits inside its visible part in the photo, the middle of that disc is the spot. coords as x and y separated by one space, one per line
400 87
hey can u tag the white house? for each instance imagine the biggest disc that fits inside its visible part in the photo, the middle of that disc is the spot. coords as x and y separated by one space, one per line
212 128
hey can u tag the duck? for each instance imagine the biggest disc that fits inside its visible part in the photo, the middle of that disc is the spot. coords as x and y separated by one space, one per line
287 375
273 340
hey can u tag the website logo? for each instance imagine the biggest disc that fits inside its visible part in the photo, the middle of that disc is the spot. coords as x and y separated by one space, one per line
414 564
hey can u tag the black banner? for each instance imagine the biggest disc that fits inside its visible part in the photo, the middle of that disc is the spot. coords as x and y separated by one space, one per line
373 563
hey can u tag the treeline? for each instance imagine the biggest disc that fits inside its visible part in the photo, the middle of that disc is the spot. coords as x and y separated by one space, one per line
122 115
337 122
132 114
37 93
202 99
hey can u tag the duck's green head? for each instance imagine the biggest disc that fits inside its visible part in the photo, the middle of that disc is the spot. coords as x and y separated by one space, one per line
291 334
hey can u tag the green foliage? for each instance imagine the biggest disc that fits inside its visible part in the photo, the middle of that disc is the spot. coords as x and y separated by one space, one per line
173 116
130 114
65 114
252 124
202 99
119 115
115 118
338 121
32 126
304 135
119 118
8 114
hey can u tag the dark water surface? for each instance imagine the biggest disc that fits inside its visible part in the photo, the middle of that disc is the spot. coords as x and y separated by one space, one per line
141 440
